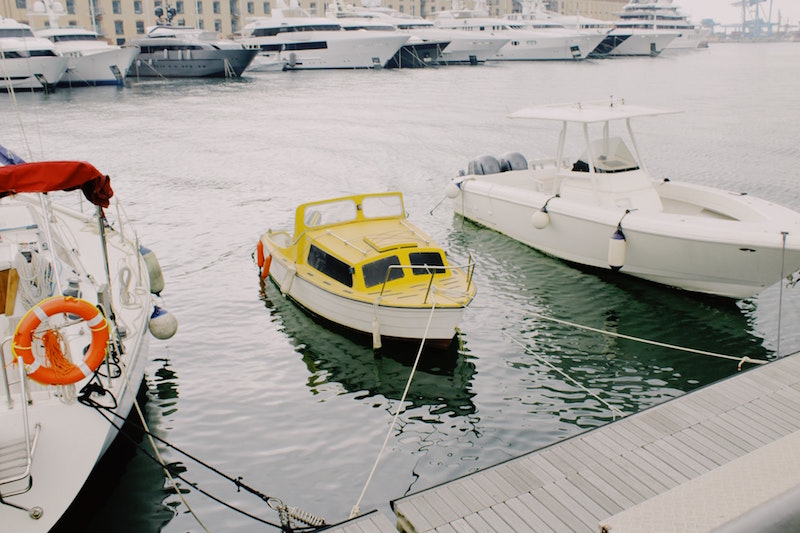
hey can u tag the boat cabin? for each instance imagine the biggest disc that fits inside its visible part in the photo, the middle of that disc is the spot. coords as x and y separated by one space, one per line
364 243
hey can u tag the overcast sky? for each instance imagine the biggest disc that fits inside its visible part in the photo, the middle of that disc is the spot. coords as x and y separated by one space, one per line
723 11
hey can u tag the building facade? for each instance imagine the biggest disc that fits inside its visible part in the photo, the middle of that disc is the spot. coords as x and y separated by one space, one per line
120 21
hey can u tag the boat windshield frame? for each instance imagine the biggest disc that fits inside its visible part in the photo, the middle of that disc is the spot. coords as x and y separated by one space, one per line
313 216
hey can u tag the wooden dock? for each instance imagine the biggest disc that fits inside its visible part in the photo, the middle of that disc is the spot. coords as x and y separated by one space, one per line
693 463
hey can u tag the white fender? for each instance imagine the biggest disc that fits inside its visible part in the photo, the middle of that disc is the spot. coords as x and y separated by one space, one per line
540 219
452 190
616 250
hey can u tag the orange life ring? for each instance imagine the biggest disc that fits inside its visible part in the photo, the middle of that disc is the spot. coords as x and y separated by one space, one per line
23 339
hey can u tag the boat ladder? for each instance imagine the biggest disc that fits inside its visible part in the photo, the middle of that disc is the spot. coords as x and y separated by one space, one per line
16 454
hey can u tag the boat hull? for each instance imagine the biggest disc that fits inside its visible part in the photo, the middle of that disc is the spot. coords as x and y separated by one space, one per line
320 51
203 63
694 252
625 43
41 72
106 67
547 46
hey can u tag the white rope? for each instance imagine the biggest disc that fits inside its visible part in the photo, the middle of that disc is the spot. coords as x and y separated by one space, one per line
615 410
356 508
654 343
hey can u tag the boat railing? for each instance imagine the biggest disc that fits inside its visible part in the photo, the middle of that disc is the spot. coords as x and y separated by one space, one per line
12 459
432 270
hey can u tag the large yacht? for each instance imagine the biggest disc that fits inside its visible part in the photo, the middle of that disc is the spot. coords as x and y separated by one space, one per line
306 42
27 61
90 59
528 40
463 47
664 15
170 51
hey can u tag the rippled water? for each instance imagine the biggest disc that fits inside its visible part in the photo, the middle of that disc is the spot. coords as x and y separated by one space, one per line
255 388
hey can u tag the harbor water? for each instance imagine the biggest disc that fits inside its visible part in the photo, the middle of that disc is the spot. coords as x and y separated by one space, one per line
258 390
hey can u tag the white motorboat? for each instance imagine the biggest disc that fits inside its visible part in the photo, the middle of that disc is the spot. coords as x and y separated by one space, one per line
604 210
169 51
666 16
305 42
528 40
76 304
27 61
90 59
463 47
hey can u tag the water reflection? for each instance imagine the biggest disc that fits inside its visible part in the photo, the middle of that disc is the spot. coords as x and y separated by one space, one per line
531 289
442 381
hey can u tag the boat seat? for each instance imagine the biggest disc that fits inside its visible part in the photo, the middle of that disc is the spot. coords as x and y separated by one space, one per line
513 161
485 164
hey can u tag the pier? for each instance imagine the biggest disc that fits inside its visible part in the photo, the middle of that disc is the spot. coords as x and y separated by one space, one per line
709 459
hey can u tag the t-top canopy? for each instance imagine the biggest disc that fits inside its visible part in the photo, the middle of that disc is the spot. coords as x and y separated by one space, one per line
56 176
588 112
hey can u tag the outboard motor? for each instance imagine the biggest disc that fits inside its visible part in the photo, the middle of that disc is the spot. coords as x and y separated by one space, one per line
485 164
513 161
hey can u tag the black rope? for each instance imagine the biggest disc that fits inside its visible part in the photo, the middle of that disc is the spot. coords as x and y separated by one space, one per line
89 402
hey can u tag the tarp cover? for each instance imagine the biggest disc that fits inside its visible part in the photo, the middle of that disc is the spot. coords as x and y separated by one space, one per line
56 176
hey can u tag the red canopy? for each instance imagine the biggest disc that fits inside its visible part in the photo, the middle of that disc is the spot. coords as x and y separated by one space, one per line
56 176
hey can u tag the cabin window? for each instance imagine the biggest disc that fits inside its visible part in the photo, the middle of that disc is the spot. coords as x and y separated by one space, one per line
330 266
375 272
426 260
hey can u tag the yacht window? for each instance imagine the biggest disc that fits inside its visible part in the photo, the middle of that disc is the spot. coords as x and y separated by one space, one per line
330 266
426 261
375 272
16 32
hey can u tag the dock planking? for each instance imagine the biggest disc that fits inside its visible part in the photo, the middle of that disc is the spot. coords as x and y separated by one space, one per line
677 464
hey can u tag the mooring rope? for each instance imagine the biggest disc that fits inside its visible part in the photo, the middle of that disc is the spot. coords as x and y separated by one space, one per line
614 410
356 508
741 360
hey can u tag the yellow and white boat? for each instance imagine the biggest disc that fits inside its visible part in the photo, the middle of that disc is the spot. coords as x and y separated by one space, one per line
356 261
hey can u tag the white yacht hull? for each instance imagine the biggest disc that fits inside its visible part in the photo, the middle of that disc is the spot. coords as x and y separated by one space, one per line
343 50
399 323
682 247
104 67
464 48
639 42
546 46
32 72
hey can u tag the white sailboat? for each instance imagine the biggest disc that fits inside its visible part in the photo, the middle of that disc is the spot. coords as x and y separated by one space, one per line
77 300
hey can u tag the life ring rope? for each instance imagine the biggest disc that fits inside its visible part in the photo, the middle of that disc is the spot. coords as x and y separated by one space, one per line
54 368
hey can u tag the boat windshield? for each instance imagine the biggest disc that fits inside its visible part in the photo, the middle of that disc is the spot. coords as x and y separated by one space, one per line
346 210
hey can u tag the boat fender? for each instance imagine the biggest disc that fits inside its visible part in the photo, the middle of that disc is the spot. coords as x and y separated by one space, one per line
260 253
153 270
264 262
540 219
376 334
616 250
265 268
67 372
452 190
163 324
286 286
